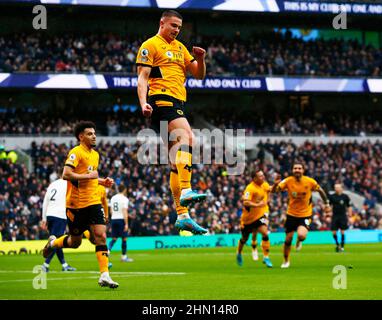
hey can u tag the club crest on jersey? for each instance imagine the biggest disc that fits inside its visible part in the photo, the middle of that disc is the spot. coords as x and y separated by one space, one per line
169 54
294 194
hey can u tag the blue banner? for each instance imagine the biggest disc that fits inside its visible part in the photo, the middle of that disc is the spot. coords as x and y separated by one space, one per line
280 84
273 6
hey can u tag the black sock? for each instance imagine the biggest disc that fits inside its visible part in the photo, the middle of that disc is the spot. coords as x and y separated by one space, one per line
342 240
336 239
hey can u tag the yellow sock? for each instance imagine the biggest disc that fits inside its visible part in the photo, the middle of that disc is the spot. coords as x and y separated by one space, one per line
60 242
175 190
265 245
102 254
183 161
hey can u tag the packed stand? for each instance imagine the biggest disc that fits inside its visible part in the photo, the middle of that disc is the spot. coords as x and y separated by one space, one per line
321 124
151 208
130 122
268 53
110 122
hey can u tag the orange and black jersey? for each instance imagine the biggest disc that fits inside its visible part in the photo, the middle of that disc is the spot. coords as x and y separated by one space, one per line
84 193
168 63
300 195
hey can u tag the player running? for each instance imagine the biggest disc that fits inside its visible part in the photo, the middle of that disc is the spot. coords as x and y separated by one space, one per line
83 203
299 212
255 217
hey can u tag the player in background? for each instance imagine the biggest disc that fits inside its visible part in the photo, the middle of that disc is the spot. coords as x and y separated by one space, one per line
119 205
83 204
54 219
163 63
341 210
299 212
255 217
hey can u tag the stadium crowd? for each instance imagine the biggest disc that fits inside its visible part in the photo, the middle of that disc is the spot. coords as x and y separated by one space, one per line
126 122
151 211
267 53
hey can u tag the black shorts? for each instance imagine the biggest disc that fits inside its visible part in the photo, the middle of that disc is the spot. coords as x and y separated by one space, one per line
339 222
249 228
79 220
292 223
165 113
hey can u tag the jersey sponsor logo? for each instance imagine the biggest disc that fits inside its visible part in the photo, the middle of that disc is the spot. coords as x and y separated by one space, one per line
246 196
180 112
72 157
294 194
169 54
90 168
144 53
144 59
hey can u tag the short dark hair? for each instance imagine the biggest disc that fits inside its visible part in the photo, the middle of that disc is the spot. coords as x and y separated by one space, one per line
121 188
255 171
171 13
299 163
81 126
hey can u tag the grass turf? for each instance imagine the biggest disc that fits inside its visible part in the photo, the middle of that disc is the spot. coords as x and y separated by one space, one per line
187 274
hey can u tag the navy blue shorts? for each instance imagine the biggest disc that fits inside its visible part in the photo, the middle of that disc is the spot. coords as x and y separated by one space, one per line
117 227
56 226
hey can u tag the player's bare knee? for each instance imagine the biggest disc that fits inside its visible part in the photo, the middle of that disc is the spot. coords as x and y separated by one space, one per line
288 242
243 240
301 237
100 238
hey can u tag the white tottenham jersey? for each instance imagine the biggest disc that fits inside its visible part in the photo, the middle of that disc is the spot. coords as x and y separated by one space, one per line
54 204
117 203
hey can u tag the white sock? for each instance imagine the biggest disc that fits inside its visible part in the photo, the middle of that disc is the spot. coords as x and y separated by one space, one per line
124 256
64 265
46 265
185 190
183 216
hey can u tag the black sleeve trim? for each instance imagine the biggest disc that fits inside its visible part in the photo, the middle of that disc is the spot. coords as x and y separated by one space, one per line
192 60
143 64
69 165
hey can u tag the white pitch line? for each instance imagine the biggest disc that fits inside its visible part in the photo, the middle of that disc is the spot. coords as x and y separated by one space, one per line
127 274
97 272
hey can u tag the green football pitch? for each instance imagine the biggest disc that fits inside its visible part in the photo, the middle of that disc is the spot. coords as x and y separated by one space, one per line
186 274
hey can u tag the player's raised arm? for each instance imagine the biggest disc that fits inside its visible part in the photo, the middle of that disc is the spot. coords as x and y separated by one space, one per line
198 67
143 79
